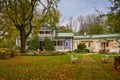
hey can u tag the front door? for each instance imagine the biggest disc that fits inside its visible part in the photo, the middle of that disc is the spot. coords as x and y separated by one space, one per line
41 45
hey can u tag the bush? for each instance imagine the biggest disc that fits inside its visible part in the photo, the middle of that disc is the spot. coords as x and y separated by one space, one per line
17 47
117 63
3 55
81 51
49 45
58 53
45 53
86 50
7 53
55 53
102 52
34 43
31 53
77 50
81 46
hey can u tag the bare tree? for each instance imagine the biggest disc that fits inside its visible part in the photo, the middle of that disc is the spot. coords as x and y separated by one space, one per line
91 22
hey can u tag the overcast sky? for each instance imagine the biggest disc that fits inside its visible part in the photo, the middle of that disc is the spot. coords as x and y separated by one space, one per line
76 8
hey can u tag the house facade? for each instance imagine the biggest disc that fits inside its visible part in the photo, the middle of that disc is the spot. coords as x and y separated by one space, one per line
62 41
69 41
99 43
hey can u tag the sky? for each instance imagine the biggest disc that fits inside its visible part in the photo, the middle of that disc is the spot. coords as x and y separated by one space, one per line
75 8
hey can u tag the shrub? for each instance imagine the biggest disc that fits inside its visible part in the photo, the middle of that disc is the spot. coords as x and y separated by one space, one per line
55 53
17 47
7 53
31 53
81 46
3 55
34 43
45 53
77 50
102 52
49 45
117 63
58 53
86 50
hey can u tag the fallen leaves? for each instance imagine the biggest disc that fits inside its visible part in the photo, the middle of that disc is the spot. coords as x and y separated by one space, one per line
38 67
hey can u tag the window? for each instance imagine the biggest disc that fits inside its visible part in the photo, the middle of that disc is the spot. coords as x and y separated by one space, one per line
107 44
66 43
59 43
89 44
47 32
41 32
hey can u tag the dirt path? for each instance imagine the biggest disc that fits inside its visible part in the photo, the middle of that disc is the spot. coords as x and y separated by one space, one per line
91 70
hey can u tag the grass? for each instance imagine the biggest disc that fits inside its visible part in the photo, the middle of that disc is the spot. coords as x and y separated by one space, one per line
108 67
56 68
40 67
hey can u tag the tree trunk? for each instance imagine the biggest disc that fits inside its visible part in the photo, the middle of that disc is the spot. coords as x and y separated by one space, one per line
23 40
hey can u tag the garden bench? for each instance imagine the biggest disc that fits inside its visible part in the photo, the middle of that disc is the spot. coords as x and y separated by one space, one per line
105 59
73 59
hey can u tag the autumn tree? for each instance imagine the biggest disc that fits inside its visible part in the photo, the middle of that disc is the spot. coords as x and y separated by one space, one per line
52 18
20 12
8 32
64 29
113 19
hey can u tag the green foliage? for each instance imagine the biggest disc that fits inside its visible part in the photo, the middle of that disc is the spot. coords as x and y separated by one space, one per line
92 24
52 18
49 45
77 50
31 53
34 43
64 29
7 53
117 63
4 44
81 48
113 19
49 53
20 14
115 5
86 50
113 22
97 29
17 47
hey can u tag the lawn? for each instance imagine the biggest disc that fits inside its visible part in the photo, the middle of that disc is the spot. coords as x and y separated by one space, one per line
108 67
88 67
40 67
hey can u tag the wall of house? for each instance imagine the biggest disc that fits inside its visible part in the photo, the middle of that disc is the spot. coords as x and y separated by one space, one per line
95 45
18 42
90 44
59 45
53 33
68 44
114 46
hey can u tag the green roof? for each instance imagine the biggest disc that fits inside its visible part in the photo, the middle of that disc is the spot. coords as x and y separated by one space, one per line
65 35
97 36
